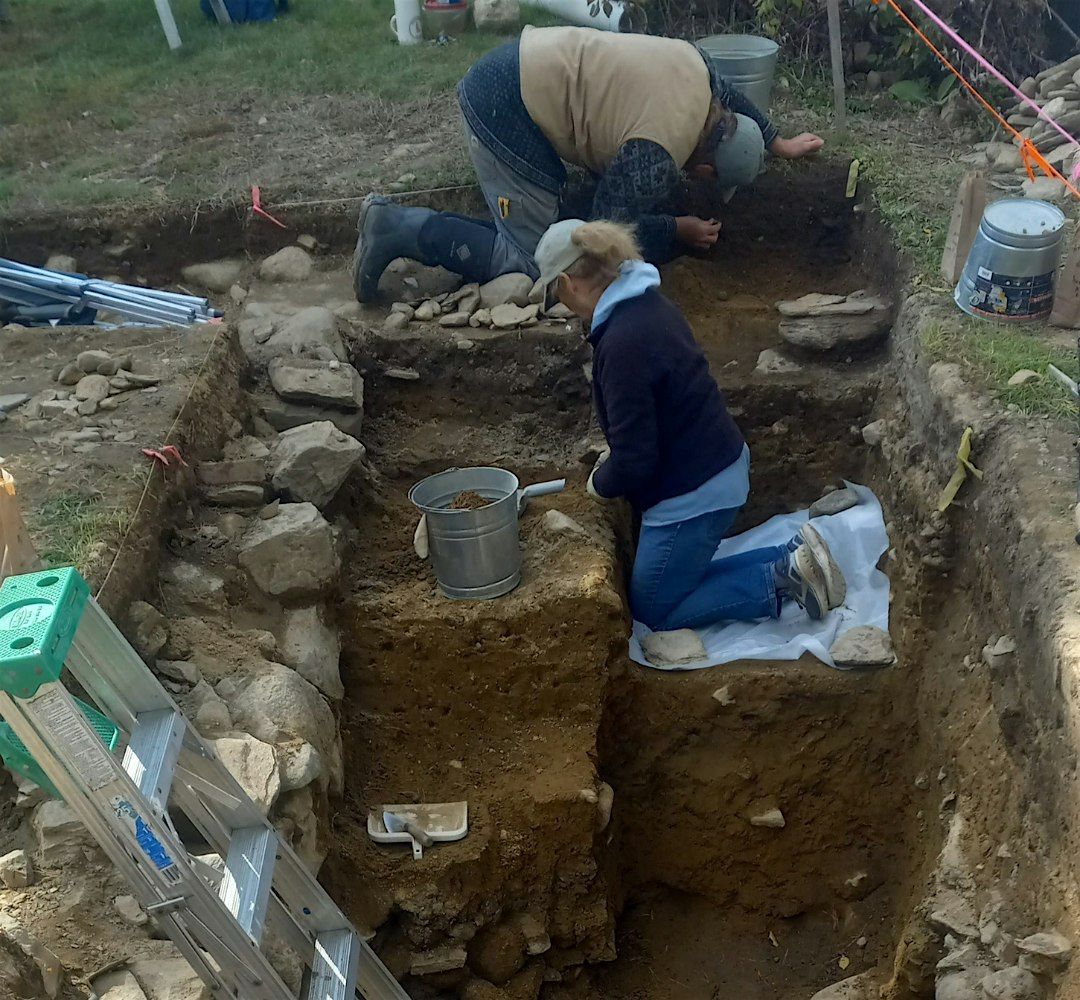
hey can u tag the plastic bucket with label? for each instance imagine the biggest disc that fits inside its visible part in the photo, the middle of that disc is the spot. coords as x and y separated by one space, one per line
1010 270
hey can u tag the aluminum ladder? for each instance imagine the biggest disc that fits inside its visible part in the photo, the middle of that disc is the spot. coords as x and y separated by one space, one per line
48 620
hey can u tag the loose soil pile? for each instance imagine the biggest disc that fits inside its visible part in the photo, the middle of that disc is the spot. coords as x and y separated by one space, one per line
468 500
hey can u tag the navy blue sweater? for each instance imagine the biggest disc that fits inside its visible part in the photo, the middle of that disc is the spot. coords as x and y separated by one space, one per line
640 185
658 406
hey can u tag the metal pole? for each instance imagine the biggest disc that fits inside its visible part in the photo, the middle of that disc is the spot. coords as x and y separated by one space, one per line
168 23
837 55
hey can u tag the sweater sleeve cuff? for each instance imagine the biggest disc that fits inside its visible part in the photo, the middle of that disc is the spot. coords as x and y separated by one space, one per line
602 484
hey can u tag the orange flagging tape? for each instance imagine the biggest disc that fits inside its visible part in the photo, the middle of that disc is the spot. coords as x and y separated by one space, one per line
1029 155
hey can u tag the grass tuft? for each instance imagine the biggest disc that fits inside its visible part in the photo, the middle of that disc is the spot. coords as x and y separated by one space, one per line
68 525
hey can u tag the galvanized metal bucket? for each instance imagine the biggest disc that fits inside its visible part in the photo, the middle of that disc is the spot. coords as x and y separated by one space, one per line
1010 270
475 553
747 61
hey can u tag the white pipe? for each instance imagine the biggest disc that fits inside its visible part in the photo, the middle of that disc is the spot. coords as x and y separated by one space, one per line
577 12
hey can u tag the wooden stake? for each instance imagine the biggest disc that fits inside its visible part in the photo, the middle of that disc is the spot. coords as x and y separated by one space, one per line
837 55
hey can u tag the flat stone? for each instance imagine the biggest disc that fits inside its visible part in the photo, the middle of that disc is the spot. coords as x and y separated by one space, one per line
825 327
312 461
954 916
772 362
234 495
309 333
119 984
395 321
312 648
455 319
445 958
169 979
254 765
129 909
863 646
682 645
1022 376
508 316
1044 189
289 264
772 819
558 523
507 288
60 835
9 401
16 871
1012 984
1045 953
215 275
834 503
808 305
402 374
227 473
182 671
307 380
92 387
283 415
245 448
292 555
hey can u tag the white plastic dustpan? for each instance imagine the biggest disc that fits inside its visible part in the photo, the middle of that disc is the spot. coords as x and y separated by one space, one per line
420 824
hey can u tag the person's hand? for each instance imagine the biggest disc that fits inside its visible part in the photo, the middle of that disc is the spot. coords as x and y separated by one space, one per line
701 234
796 147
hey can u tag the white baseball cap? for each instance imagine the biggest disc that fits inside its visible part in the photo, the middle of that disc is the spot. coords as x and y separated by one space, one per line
739 158
556 252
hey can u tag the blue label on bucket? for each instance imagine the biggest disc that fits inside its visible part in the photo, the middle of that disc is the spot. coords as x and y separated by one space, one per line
1004 296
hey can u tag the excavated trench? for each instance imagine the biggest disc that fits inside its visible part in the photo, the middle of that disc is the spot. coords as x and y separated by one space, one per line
610 850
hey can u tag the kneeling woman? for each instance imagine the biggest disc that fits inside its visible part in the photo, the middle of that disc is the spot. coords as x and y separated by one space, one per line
674 451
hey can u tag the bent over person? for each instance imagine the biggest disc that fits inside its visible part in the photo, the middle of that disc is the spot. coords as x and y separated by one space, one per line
634 110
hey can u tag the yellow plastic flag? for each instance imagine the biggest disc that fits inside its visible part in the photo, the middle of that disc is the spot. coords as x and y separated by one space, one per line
963 467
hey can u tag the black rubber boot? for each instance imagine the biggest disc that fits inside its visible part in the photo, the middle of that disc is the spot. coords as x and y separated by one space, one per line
388 231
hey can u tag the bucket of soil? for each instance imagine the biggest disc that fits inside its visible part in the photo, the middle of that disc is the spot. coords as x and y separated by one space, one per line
472 527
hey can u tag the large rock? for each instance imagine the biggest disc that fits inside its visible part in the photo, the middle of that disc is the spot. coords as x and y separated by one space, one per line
16 872
310 462
1045 953
863 646
313 650
283 416
149 630
118 985
22 951
497 951
254 765
290 264
311 332
682 645
818 322
292 554
276 704
506 289
1012 984
965 984
325 383
169 979
216 275
61 837
503 16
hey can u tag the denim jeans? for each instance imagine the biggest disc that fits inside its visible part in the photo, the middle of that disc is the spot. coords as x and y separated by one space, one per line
676 582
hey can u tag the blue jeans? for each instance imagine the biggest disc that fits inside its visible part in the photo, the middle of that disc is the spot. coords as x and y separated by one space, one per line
676 582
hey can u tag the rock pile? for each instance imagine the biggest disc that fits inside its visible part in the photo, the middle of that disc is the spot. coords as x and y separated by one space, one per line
1057 89
94 381
509 302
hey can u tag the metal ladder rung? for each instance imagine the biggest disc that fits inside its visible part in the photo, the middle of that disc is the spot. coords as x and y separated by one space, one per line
150 758
333 972
249 874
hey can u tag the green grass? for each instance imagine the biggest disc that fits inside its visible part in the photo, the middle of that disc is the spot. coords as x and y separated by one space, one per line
68 524
995 353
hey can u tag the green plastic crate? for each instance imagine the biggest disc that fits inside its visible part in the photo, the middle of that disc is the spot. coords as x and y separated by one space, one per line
39 615
19 760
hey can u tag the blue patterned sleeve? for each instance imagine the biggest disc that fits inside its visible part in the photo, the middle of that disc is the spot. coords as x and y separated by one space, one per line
640 186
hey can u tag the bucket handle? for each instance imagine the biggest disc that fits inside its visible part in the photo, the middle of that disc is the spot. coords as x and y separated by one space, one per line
538 490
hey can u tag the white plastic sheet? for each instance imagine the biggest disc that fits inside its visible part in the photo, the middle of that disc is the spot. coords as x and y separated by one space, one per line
857 539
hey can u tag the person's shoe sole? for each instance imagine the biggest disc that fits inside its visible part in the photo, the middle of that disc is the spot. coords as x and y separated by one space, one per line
366 291
835 584
815 598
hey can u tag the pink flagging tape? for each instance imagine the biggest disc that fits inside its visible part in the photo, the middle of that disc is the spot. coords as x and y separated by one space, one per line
999 76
